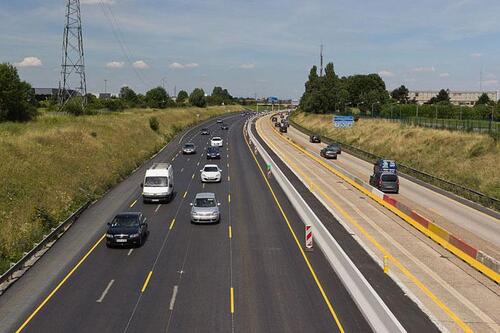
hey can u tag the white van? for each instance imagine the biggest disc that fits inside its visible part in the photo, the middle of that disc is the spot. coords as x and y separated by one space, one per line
158 183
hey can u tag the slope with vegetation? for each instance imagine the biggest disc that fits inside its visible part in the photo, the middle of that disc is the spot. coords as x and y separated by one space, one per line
54 164
467 159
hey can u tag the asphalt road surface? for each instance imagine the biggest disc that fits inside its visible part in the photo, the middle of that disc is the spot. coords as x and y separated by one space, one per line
244 274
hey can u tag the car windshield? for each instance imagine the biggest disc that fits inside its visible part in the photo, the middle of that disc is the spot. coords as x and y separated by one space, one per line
216 139
189 145
389 178
211 169
156 181
125 221
213 150
204 202
204 129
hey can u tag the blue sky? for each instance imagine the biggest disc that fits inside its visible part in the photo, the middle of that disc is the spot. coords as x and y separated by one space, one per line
255 46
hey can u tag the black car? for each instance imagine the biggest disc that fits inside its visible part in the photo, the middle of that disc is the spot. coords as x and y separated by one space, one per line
205 131
315 138
328 152
127 229
213 153
335 147
277 124
283 129
274 119
224 127
385 181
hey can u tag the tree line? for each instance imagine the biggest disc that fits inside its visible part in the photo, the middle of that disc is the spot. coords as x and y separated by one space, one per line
18 101
367 94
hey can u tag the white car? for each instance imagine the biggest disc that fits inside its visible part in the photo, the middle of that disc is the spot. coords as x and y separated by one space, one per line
216 141
211 173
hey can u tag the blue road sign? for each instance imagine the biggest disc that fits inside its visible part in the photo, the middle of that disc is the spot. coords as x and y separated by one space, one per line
343 121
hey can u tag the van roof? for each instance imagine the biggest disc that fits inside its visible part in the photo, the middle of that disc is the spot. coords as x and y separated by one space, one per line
157 166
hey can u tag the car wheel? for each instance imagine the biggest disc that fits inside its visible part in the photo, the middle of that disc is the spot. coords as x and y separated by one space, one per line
139 244
108 245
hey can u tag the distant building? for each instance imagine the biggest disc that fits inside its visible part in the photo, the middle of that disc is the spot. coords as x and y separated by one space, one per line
104 95
43 94
466 98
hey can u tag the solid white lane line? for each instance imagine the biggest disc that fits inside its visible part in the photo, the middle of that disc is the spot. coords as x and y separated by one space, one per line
174 295
157 208
105 291
130 252
197 163
182 169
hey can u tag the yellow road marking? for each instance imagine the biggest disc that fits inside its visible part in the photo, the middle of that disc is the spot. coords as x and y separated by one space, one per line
171 224
26 322
232 300
147 281
383 250
185 193
435 237
299 246
230 232
133 203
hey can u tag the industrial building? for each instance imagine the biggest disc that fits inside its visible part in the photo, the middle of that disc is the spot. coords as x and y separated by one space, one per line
465 98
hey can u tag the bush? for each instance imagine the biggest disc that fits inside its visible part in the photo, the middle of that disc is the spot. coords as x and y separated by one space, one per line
74 106
154 124
17 98
197 98
113 104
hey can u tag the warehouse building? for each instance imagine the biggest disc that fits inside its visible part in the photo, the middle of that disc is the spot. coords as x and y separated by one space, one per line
466 98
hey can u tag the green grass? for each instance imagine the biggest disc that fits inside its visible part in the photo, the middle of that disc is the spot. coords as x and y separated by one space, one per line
53 165
468 159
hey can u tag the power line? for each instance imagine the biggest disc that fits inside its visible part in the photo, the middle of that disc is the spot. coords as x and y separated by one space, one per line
116 33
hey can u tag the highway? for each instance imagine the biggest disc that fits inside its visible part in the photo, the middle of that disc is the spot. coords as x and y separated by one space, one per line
469 224
457 296
246 273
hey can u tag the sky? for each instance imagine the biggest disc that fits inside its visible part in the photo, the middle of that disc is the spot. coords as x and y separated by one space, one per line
258 47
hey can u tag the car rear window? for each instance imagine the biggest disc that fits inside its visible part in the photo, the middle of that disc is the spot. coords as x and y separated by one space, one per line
389 178
205 202
211 169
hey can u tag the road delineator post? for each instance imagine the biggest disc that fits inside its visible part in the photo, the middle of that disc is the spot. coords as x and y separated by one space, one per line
269 166
386 264
309 238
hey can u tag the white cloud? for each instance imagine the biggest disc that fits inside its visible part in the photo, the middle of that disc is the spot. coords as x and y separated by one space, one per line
96 2
490 82
476 55
115 64
386 73
176 65
444 75
140 64
247 66
29 62
424 69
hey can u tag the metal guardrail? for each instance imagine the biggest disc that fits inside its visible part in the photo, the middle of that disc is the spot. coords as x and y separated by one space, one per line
29 259
446 185
375 311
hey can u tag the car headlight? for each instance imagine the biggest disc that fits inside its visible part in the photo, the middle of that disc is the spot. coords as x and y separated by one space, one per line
134 235
109 236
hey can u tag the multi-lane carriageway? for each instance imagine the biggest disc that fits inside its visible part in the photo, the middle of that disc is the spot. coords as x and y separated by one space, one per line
248 273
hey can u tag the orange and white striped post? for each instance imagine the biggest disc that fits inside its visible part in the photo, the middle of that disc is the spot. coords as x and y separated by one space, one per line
309 238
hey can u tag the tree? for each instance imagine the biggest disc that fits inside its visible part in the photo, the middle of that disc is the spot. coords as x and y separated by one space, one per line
17 98
129 96
220 96
197 98
401 94
329 88
182 96
443 97
157 98
484 99
309 101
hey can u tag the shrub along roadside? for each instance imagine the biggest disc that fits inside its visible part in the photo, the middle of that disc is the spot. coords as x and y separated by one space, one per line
52 166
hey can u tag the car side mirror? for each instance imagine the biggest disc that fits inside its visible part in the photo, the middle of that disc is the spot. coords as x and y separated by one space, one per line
190 204
109 223
170 185
218 204
201 170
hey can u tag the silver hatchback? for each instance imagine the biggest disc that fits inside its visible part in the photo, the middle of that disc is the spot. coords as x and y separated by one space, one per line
205 208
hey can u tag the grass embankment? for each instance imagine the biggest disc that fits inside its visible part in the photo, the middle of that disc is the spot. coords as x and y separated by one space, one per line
51 166
468 159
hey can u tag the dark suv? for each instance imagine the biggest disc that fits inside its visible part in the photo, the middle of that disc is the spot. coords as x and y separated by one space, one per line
315 138
205 131
283 129
213 153
385 182
127 229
